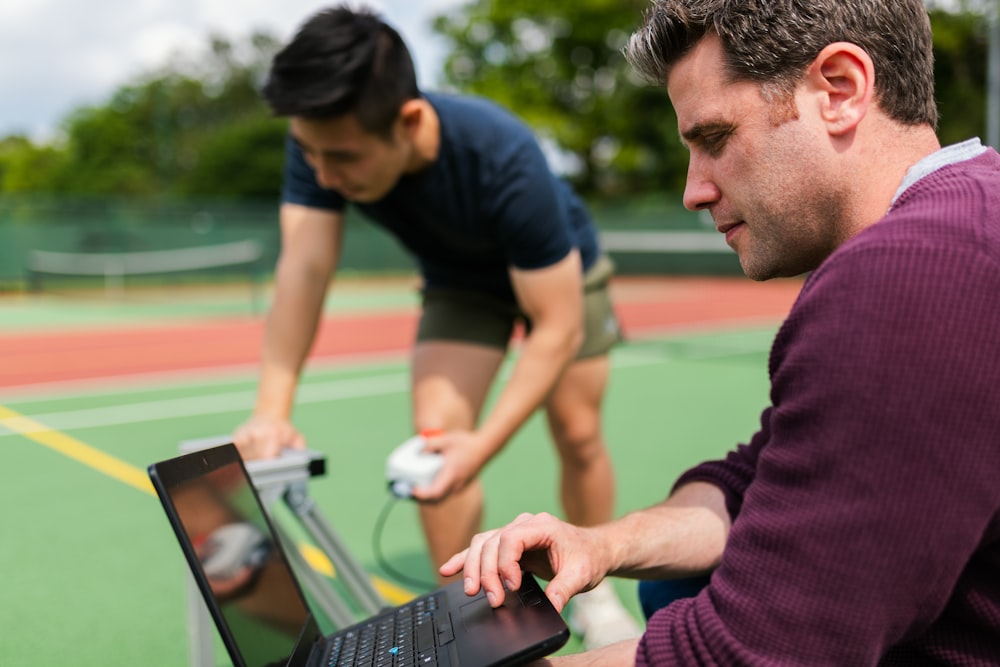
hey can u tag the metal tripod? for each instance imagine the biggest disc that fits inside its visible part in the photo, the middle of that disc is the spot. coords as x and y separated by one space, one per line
286 479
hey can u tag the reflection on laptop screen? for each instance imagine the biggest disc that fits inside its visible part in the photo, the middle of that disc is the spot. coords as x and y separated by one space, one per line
248 576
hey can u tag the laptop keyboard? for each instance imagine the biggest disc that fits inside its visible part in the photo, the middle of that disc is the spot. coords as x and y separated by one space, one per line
409 637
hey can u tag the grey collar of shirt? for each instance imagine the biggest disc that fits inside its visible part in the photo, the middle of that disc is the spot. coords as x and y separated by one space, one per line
960 152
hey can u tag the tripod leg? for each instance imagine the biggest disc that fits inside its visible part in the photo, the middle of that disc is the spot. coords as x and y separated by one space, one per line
355 579
200 628
327 600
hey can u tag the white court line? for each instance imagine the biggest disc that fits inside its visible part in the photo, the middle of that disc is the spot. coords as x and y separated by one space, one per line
640 355
155 381
237 401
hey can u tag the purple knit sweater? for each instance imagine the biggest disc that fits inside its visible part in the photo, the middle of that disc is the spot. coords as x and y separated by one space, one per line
867 508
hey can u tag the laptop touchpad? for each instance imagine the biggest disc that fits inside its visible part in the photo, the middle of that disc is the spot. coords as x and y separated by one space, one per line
478 613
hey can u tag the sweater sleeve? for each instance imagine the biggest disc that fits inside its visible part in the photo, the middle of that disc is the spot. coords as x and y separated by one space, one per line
735 472
874 477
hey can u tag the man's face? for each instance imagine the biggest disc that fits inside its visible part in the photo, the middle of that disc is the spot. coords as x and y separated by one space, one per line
757 167
361 166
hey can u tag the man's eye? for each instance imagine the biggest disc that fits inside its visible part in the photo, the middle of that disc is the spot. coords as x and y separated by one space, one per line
714 143
338 158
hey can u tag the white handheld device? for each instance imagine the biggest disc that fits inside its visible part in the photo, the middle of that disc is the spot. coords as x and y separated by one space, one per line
409 467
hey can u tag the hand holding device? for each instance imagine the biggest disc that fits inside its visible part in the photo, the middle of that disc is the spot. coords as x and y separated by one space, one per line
409 467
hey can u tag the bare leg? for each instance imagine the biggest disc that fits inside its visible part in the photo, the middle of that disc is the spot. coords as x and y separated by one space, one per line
587 486
588 489
450 383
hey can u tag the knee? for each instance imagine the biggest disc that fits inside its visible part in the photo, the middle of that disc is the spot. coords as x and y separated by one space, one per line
578 441
438 418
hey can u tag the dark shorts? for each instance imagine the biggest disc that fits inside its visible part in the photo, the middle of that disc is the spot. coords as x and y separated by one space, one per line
474 317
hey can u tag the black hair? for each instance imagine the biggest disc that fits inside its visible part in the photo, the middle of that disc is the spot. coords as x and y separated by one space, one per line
343 61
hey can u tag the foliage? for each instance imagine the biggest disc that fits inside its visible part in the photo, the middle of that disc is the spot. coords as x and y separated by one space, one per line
961 43
25 167
560 68
244 159
196 126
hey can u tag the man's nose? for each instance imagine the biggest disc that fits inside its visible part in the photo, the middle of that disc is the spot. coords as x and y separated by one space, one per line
700 190
328 176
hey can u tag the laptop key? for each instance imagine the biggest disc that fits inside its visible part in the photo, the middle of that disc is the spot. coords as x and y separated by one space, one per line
425 637
445 633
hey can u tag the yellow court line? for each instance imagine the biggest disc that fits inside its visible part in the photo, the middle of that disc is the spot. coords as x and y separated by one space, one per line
123 472
318 561
76 450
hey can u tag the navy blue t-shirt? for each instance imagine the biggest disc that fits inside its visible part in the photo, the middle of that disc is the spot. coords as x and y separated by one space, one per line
488 202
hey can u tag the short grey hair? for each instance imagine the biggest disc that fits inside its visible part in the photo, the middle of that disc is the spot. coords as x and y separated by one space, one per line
772 42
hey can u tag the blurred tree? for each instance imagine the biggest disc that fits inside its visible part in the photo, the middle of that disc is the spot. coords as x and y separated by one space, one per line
25 167
198 127
961 42
245 159
559 67
170 132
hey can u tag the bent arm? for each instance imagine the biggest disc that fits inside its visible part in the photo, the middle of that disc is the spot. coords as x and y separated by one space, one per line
875 497
682 536
552 298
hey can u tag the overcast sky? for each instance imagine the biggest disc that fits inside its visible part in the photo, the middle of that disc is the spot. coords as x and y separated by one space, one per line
57 55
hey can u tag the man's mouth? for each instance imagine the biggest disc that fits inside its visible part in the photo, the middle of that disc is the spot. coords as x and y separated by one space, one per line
731 230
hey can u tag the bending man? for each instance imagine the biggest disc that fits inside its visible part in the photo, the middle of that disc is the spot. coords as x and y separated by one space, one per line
498 238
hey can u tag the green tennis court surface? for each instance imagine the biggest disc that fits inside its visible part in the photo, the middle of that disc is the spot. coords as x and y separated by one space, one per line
94 575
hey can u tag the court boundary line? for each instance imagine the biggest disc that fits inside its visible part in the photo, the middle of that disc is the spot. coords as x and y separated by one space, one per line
76 450
120 471
313 390
234 372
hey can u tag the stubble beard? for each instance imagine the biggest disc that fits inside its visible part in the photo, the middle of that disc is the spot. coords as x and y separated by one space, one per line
783 244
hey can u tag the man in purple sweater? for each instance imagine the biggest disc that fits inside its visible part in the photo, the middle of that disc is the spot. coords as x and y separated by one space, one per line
861 524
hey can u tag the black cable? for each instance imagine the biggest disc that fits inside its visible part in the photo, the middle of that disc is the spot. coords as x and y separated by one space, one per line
380 558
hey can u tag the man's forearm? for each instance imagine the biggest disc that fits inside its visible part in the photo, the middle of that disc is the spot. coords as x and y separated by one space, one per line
288 337
621 654
682 536
542 359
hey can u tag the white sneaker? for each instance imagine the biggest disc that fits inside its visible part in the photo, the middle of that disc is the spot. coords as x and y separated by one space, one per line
598 615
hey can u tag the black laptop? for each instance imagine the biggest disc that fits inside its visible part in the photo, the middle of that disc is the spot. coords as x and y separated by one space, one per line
264 619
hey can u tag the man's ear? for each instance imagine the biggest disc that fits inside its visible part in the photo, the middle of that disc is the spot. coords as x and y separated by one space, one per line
411 114
843 76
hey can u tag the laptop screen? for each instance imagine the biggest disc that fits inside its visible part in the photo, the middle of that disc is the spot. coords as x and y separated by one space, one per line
262 609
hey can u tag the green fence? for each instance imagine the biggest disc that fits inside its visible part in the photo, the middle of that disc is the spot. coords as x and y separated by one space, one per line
658 236
651 236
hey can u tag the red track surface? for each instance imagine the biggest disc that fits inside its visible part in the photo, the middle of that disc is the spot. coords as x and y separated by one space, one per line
644 306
